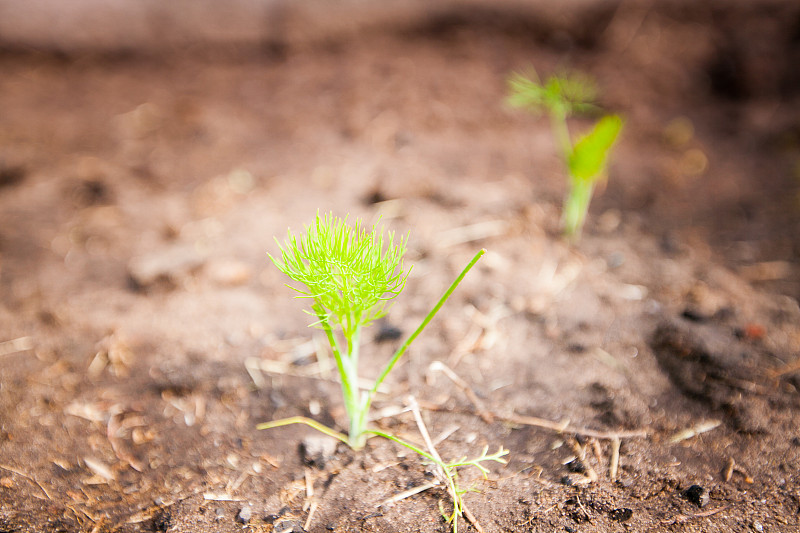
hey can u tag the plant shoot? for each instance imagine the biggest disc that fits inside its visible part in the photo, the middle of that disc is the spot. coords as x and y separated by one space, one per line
349 274
587 159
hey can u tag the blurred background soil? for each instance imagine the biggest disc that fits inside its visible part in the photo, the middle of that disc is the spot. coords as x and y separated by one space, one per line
150 152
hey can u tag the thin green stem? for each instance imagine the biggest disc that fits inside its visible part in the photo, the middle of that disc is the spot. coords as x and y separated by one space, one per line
307 421
575 207
347 385
400 351
353 401
558 122
408 445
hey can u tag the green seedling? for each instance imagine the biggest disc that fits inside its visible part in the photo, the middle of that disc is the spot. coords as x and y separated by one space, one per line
349 274
586 160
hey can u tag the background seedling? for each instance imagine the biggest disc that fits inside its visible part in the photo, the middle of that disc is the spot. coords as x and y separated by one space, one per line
586 160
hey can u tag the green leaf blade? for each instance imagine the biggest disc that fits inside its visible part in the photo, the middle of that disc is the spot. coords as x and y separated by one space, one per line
589 156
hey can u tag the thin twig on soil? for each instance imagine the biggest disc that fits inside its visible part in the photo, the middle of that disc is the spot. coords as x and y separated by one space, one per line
148 513
558 427
614 463
788 368
480 408
217 497
21 344
564 427
408 493
697 429
30 478
585 512
442 475
312 509
598 453
309 490
680 519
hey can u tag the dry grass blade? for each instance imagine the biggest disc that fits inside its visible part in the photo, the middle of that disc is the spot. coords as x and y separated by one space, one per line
408 493
21 344
564 427
480 408
697 429
28 477
614 462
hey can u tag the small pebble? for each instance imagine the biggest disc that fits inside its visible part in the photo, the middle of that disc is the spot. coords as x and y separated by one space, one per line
757 526
615 260
577 466
288 526
625 482
621 515
387 332
696 495
219 512
245 514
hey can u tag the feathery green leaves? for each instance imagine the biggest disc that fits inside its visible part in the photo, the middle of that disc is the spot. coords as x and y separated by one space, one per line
563 95
349 272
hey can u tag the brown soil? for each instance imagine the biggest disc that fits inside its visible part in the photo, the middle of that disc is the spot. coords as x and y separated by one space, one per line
146 333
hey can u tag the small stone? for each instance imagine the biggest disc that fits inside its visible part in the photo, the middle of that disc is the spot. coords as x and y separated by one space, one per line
317 450
757 526
162 521
625 482
696 495
621 515
387 332
245 514
577 466
615 260
219 512
693 315
288 526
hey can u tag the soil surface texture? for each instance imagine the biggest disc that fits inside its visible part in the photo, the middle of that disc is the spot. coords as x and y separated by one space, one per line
643 378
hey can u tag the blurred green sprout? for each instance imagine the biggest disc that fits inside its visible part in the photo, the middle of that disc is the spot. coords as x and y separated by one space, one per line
586 158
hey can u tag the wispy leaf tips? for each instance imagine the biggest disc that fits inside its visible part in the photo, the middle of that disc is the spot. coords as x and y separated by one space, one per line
347 270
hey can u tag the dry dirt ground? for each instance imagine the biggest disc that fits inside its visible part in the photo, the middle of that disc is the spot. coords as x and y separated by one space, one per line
145 334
